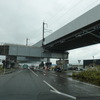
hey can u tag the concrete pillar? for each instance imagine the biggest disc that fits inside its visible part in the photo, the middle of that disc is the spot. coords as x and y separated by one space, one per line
48 59
48 63
62 63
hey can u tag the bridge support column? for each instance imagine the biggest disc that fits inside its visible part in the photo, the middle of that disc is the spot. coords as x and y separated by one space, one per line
62 64
48 59
48 63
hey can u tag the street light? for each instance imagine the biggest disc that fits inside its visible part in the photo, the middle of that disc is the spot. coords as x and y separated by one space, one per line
27 41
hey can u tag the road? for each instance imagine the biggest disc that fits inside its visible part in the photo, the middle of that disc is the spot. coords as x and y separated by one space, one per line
44 85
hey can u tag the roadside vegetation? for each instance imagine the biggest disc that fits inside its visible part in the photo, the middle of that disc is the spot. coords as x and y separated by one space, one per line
1 69
91 75
7 70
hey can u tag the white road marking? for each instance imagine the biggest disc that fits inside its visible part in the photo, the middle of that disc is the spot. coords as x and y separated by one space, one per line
54 74
67 95
44 71
50 86
56 91
44 74
62 77
33 72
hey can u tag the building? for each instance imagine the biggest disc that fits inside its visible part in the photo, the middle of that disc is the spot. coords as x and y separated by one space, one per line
91 63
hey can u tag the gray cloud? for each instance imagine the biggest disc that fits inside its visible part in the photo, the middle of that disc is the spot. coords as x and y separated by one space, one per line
84 53
20 19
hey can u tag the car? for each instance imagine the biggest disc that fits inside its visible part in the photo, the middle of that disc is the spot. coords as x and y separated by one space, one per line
25 66
58 69
32 67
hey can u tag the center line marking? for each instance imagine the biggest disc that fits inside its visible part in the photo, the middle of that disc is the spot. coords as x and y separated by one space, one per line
56 91
33 72
50 86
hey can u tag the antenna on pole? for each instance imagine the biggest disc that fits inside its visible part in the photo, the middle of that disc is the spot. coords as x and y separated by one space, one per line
44 30
43 39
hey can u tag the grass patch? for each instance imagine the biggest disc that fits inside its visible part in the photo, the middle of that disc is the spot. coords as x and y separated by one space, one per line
1 69
90 76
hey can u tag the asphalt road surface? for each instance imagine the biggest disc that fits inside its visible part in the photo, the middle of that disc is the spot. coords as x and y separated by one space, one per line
44 85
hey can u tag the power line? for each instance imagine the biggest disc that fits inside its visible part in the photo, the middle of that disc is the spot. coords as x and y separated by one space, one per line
56 14
73 15
66 11
61 16
40 29
60 12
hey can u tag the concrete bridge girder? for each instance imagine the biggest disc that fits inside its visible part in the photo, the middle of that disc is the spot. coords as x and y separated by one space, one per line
29 53
34 52
19 53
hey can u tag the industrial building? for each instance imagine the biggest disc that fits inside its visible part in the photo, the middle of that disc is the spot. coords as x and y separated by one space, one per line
91 63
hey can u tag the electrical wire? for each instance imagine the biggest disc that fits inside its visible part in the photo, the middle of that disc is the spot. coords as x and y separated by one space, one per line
66 11
50 19
72 16
57 13
60 13
62 16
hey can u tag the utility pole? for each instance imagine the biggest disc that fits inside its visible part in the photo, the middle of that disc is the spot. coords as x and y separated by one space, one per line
43 39
44 30
27 41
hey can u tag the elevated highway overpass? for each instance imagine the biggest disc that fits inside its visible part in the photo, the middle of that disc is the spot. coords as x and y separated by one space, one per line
83 31
28 53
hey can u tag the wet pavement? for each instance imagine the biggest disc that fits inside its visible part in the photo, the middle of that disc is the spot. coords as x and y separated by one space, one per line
45 85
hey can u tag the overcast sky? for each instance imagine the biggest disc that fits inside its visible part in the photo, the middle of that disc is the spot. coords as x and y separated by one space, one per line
21 19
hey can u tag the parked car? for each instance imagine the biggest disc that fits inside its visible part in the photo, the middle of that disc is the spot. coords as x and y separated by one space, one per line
73 68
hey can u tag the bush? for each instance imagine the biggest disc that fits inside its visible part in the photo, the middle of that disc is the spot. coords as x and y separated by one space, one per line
90 76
